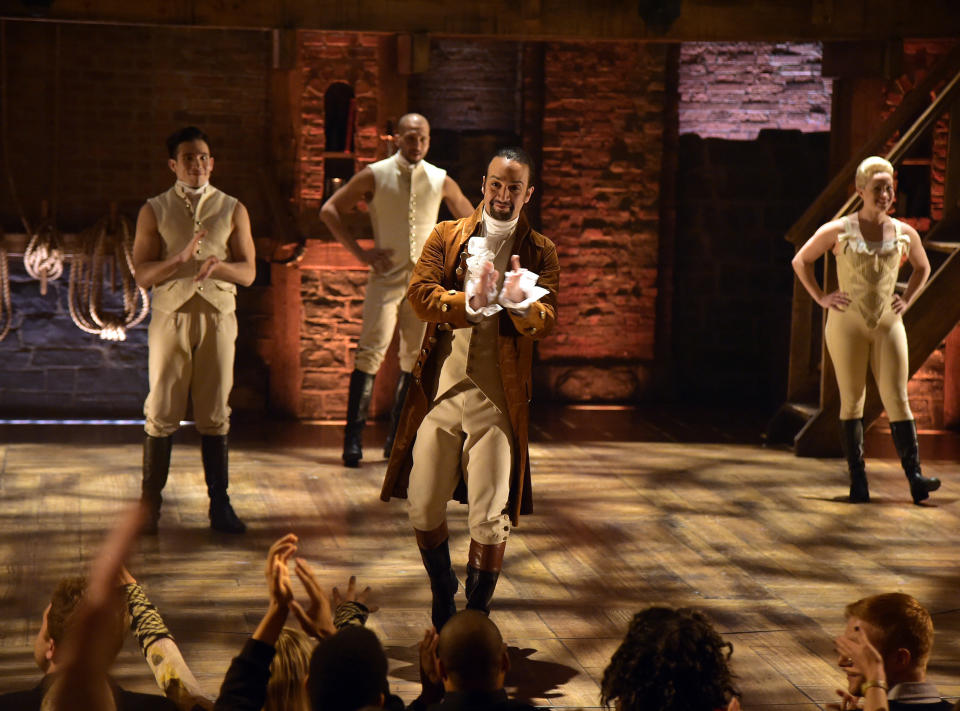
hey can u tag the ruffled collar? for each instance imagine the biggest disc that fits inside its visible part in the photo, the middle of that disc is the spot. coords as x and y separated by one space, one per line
852 238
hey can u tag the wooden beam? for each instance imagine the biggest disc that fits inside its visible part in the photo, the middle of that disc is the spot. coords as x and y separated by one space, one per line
699 20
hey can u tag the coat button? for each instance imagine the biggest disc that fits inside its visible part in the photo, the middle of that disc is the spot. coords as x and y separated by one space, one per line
452 292
432 340
200 288
459 271
543 315
444 307
423 350
533 330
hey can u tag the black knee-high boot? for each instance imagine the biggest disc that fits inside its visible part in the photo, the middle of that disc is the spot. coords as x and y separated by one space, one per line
156 466
905 440
435 553
851 440
483 571
358 405
403 384
213 450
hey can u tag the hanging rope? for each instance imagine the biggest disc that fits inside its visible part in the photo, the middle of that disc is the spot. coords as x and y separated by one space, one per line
43 257
6 309
105 257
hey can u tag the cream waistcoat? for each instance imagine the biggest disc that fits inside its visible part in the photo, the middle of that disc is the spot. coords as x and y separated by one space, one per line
470 354
390 212
175 223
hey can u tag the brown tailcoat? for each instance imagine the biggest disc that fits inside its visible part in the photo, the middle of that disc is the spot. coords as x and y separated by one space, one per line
437 297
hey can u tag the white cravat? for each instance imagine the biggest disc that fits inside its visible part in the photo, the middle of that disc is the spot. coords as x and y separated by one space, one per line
497 230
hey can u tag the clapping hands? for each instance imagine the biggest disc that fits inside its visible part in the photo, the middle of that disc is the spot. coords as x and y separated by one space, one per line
316 618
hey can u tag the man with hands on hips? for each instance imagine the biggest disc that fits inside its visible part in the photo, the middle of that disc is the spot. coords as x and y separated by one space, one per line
403 193
463 430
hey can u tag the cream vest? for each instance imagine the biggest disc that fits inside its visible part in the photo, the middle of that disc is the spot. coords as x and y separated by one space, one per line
175 224
390 208
470 354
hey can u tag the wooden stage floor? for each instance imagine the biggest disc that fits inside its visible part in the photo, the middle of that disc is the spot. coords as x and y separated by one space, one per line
757 538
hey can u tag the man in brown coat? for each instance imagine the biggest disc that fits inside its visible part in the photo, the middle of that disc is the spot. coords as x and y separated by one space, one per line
463 431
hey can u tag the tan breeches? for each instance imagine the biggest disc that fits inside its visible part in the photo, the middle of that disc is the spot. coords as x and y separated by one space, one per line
852 346
191 355
463 429
384 308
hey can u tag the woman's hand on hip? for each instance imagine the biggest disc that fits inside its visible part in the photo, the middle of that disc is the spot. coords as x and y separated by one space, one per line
837 300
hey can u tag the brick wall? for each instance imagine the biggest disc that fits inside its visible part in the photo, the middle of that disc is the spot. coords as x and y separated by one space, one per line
89 128
734 89
471 85
602 127
332 294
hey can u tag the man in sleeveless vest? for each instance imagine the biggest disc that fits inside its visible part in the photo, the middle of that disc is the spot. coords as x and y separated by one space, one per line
864 319
403 193
193 246
487 287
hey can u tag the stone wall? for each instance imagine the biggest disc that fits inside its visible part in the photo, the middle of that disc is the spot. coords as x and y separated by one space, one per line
734 90
89 108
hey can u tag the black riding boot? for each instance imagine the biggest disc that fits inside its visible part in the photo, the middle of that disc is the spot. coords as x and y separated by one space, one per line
213 450
483 571
443 582
851 440
403 384
905 440
156 466
358 405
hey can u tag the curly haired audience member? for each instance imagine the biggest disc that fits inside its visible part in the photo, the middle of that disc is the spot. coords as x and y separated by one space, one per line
670 660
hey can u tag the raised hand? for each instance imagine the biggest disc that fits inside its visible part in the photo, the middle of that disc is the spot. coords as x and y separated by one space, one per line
206 269
353 596
511 283
864 656
188 252
317 619
486 283
428 657
277 572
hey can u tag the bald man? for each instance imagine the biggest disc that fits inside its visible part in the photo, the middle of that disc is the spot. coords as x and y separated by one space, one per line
472 663
403 193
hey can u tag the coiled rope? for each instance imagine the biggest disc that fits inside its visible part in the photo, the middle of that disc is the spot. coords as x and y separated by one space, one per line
105 257
6 309
43 257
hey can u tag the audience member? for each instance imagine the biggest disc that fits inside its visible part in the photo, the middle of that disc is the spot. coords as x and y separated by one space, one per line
288 670
58 617
670 660
901 630
472 663
160 650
